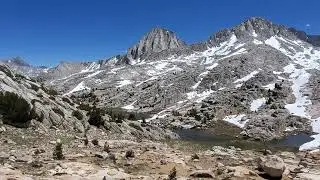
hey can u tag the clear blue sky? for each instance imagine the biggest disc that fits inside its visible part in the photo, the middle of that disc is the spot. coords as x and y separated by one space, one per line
45 32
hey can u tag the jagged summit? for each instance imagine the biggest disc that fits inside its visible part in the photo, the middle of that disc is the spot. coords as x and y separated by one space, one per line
157 40
17 61
312 39
252 27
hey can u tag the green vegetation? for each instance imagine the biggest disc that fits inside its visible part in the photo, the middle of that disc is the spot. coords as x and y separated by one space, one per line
34 87
116 114
84 107
121 114
58 111
194 113
175 113
49 90
67 100
77 114
136 126
173 174
6 71
14 108
19 77
129 154
57 153
95 117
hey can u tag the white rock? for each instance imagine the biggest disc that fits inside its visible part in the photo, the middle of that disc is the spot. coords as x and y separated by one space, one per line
272 165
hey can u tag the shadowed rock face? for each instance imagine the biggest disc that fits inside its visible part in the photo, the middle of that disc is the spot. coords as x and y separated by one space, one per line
312 39
157 40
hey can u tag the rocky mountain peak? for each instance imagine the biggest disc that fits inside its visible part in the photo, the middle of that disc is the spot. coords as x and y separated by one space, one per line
312 39
157 40
17 61
253 27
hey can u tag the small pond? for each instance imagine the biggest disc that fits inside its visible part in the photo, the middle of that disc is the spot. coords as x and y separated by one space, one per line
206 139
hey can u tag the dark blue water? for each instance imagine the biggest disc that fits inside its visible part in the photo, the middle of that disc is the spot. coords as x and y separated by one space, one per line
293 140
208 139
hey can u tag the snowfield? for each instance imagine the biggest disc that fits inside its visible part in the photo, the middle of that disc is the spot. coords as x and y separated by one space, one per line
130 106
124 83
308 58
236 120
256 104
80 87
246 78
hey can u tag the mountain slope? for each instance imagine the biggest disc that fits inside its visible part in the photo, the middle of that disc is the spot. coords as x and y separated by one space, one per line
259 76
157 40
19 65
25 103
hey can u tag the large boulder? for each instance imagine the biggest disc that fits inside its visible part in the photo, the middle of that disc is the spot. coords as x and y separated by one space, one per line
202 174
272 165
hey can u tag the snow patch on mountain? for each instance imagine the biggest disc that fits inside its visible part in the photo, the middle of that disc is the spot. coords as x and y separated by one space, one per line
212 66
162 114
307 58
92 67
236 120
269 86
240 51
80 87
124 83
94 74
130 106
198 97
314 144
161 66
238 85
115 70
196 85
273 42
257 103
150 79
254 34
299 79
247 77
257 42
239 46
202 75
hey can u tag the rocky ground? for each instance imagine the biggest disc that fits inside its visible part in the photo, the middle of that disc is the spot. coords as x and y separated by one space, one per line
29 154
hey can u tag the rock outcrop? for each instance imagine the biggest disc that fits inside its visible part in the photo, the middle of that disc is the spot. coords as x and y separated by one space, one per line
272 165
157 40
43 108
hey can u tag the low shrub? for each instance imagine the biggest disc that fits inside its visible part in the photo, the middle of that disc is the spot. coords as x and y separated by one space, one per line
77 114
14 108
136 126
58 111
95 117
173 174
57 153
34 87
175 113
67 100
119 114
85 107
129 154
49 91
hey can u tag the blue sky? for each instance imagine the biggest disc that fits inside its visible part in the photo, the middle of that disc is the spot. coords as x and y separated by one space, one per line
45 32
